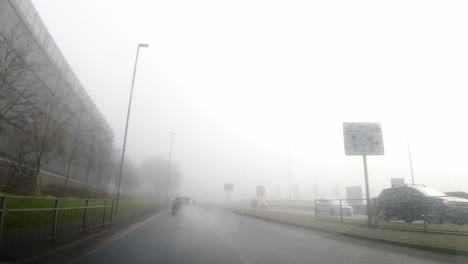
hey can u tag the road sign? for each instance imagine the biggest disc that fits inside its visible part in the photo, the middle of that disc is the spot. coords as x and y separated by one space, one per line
228 187
363 139
354 195
397 182
260 190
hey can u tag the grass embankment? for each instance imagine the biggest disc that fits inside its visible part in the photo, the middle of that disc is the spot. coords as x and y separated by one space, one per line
74 211
433 241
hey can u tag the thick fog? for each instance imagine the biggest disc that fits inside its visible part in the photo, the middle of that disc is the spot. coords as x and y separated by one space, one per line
249 85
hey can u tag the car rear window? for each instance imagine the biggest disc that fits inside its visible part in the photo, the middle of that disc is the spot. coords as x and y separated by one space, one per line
182 199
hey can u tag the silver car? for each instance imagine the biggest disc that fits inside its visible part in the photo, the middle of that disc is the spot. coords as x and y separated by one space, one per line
332 207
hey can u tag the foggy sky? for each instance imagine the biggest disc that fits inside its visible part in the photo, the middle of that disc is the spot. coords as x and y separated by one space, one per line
240 82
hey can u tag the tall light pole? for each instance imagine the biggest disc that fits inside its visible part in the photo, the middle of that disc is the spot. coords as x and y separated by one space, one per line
411 164
289 170
169 168
117 204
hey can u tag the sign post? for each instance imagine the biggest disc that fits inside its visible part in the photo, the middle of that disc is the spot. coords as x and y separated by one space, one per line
397 182
354 195
260 191
228 187
363 139
367 189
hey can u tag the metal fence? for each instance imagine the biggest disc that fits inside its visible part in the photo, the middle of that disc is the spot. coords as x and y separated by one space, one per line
48 181
443 218
25 221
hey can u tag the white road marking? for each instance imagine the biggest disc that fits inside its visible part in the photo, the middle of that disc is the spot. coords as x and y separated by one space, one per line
116 237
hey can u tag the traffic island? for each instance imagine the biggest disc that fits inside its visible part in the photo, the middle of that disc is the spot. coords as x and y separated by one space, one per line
446 243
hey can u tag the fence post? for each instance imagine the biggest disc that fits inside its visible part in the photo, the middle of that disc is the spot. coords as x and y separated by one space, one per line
54 221
104 214
341 211
2 221
112 212
425 220
85 215
375 213
315 209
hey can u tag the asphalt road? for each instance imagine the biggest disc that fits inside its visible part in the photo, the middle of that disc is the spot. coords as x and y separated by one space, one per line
210 235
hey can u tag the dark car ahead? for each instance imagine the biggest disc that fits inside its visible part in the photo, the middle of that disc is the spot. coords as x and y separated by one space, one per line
181 202
416 202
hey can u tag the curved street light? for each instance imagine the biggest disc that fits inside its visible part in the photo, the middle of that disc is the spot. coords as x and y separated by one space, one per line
117 205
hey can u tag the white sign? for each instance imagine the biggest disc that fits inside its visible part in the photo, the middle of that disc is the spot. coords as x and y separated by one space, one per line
354 192
228 187
260 190
363 139
397 182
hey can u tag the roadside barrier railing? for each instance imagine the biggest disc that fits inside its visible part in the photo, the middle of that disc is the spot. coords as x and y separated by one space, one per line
425 217
35 220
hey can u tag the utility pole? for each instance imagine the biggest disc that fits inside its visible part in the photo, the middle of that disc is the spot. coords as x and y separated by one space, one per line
411 164
169 169
289 170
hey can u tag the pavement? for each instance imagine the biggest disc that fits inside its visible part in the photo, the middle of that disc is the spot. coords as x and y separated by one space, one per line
214 235
74 245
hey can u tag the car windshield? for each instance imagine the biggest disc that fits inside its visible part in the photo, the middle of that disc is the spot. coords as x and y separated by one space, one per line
305 131
429 192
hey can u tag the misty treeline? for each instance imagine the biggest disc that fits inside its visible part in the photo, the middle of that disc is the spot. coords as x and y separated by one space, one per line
151 177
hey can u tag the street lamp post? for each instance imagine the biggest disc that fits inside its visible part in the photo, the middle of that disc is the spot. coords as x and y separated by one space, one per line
289 171
411 163
169 168
117 205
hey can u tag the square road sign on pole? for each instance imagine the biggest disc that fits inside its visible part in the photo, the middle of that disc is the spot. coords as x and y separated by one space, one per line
228 187
363 139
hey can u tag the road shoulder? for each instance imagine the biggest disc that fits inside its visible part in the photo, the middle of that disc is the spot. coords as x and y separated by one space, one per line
71 252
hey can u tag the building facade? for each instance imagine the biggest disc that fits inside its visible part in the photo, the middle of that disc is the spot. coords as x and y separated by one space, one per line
23 32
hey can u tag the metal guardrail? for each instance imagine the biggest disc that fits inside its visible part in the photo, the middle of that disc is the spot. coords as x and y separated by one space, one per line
30 220
419 217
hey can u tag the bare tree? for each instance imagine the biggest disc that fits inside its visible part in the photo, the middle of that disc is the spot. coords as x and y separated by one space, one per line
102 157
75 142
89 156
47 129
20 161
17 80
131 179
153 172
113 165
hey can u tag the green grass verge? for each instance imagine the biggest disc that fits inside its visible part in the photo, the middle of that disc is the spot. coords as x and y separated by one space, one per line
41 217
73 213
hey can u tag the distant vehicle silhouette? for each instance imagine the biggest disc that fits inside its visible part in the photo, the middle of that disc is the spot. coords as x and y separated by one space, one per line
259 203
181 202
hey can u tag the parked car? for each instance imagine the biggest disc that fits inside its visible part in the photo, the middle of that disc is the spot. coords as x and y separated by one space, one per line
415 202
259 203
332 207
181 202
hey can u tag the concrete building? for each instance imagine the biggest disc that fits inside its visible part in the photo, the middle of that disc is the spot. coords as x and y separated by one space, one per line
20 17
